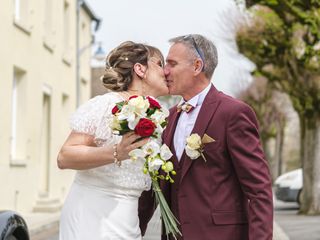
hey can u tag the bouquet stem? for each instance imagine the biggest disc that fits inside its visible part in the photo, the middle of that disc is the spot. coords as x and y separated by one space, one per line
169 220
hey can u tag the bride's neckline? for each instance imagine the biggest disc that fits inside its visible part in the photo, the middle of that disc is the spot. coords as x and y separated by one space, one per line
125 95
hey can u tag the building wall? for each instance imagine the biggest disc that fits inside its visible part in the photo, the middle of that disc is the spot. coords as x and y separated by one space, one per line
37 47
85 44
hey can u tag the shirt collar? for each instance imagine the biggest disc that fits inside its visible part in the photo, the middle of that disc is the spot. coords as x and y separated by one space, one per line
199 98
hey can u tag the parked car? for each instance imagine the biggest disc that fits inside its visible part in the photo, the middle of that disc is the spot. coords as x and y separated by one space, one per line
288 186
12 226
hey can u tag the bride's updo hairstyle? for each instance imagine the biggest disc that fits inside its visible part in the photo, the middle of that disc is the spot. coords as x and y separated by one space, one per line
120 62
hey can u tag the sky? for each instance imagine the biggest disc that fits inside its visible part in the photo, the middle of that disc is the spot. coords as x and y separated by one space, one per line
155 22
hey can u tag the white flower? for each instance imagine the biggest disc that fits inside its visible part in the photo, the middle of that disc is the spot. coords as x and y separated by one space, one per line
127 113
158 116
165 152
193 154
140 105
158 131
165 111
194 141
155 164
194 146
137 154
151 149
132 124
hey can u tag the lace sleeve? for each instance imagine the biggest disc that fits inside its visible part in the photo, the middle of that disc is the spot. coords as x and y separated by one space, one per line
103 134
87 117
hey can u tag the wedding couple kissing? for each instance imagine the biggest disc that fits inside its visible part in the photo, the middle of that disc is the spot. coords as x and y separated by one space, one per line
201 161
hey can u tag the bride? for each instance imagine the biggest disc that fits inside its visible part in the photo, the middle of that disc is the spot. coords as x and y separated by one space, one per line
103 199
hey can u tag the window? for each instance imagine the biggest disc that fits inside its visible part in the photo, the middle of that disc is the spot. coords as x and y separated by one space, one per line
21 15
66 45
65 112
48 26
84 91
66 22
18 128
45 139
85 35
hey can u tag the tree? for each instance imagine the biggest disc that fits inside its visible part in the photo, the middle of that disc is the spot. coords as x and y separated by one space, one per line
267 104
284 42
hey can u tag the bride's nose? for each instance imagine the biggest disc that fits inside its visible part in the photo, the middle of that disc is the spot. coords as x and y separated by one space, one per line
166 70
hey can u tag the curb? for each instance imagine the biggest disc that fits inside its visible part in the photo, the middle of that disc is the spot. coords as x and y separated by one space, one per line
278 233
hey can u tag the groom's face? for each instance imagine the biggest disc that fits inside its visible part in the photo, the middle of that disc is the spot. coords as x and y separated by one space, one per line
179 70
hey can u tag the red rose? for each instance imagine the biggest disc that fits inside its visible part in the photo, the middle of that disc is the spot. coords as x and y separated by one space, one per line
153 103
115 109
134 96
145 127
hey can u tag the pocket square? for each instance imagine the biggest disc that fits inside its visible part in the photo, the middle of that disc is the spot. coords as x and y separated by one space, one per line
207 139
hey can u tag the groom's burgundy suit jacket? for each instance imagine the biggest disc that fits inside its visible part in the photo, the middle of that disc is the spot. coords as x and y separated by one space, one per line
229 197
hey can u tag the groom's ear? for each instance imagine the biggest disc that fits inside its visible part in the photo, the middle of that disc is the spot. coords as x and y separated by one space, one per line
139 69
198 66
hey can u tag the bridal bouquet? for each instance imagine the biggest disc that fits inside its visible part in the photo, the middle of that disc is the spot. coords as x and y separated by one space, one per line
147 118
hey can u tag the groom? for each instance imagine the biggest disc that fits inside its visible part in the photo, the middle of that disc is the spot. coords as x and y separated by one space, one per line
226 193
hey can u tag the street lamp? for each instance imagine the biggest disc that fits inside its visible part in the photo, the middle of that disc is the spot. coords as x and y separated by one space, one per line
99 54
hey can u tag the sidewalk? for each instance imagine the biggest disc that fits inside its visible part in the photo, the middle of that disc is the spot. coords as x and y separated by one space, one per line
42 223
297 226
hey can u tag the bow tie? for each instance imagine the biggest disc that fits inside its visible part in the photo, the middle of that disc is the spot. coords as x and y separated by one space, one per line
186 107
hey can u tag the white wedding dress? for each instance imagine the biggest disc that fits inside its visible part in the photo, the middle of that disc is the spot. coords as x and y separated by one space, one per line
103 202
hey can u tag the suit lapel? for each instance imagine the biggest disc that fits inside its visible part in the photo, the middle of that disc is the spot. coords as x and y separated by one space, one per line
170 129
208 108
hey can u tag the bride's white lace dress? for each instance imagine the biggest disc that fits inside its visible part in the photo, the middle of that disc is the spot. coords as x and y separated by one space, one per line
103 202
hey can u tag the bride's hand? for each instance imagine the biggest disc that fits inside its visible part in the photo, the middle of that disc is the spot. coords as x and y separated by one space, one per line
128 143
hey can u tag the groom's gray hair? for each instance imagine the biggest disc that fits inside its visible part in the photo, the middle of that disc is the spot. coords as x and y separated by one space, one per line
201 47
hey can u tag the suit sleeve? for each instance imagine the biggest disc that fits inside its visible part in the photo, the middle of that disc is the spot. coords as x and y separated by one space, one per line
146 208
252 170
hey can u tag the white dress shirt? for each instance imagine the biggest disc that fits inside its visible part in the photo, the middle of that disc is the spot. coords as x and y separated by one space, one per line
186 121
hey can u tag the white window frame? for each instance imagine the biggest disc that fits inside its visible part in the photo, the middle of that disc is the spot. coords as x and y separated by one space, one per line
18 157
13 149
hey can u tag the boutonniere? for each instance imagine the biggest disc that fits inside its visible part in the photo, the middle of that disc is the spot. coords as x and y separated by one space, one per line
195 145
